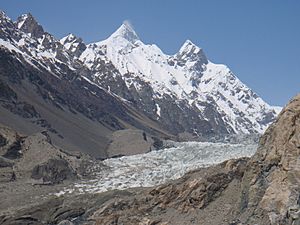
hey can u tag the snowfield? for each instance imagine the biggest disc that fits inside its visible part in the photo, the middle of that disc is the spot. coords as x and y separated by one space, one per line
158 167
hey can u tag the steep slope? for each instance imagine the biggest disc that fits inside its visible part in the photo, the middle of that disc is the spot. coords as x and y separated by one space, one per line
43 86
208 98
271 182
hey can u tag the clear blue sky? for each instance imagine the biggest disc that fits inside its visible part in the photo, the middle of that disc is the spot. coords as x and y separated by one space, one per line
258 39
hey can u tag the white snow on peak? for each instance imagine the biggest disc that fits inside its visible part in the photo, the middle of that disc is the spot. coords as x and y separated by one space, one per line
122 40
189 46
181 76
69 37
277 109
3 16
70 42
125 31
22 20
187 75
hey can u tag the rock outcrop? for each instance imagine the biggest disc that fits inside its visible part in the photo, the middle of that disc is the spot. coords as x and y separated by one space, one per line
185 201
271 184
34 159
53 171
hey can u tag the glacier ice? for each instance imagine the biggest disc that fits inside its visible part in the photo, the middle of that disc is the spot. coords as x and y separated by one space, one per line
158 167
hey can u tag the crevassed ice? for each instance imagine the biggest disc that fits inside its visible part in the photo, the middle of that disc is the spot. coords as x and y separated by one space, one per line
157 167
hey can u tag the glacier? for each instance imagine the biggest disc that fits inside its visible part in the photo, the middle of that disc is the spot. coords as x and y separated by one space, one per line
157 167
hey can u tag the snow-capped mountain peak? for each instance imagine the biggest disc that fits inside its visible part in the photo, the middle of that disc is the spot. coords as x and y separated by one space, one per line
70 37
125 31
188 46
188 78
73 44
3 15
29 25
124 39
21 20
191 52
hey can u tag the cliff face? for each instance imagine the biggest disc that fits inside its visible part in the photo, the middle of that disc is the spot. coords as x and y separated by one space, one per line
271 183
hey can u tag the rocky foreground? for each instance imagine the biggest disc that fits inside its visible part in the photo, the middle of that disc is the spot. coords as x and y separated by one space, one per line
261 190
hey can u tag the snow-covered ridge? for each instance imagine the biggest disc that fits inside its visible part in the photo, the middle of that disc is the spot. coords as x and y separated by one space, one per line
185 92
187 75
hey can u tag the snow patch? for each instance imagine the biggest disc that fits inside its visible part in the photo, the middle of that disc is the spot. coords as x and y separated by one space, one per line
157 109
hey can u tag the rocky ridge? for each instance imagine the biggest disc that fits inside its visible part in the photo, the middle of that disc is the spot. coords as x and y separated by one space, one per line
185 85
271 182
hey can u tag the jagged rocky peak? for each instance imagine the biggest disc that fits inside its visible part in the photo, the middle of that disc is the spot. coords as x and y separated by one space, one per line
70 38
28 24
5 23
73 44
191 52
126 32
3 15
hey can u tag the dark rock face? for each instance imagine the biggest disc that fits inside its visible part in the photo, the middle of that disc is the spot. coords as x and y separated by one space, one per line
49 212
54 171
5 162
76 44
14 150
28 24
3 141
6 93
22 109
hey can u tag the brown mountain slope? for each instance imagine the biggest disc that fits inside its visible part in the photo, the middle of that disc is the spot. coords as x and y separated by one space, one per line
79 115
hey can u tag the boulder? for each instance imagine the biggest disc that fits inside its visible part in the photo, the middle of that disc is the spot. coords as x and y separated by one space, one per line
54 171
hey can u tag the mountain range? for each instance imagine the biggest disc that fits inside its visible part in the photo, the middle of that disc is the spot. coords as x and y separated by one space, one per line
65 106
105 97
